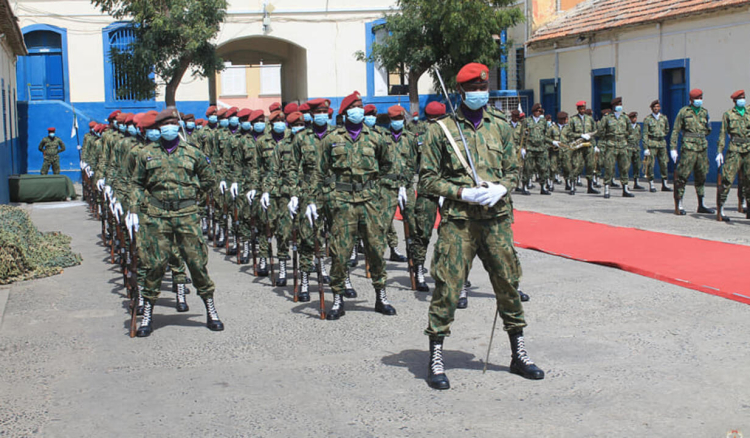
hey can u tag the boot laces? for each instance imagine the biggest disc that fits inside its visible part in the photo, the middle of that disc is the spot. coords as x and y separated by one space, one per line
382 297
521 353
322 268
436 361
354 253
245 249
464 292
348 283
420 274
282 269
147 308
211 309
262 263
337 302
181 293
305 282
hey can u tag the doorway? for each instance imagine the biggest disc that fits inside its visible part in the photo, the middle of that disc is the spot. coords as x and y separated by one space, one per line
603 90
674 82
42 72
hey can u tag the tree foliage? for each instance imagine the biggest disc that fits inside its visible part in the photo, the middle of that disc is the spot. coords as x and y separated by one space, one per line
171 36
443 34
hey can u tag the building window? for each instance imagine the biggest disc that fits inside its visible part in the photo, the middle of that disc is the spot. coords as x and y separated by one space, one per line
270 80
387 83
119 37
520 69
233 80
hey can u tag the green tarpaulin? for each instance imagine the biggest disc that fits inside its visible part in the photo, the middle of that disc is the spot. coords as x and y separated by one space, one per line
40 188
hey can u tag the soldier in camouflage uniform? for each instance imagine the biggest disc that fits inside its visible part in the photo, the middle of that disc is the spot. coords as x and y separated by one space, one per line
51 146
655 132
634 148
735 123
556 134
352 158
581 126
517 122
534 153
476 219
614 130
693 123
246 169
416 126
169 176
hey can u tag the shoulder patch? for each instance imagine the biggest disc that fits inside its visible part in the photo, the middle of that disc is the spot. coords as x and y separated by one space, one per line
208 160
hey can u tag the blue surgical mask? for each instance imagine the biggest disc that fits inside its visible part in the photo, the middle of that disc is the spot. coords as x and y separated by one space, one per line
415 119
259 126
122 128
320 119
740 103
246 126
153 134
308 118
223 123
476 99
132 130
355 115
51 135
279 127
698 103
296 129
234 121
190 125
618 109
212 119
549 123
370 121
397 125
199 127
182 123
169 132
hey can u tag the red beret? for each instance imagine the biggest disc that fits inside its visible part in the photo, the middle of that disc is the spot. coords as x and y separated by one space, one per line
231 112
319 102
200 122
330 112
211 110
189 117
435 109
415 114
121 117
129 118
244 113
348 101
293 117
148 121
290 108
220 113
92 124
371 109
255 115
695 93
137 118
154 112
274 107
581 103
113 114
737 94
166 115
274 115
50 129
472 71
305 107
395 111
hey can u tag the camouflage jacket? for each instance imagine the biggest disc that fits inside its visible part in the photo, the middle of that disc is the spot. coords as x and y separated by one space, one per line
310 188
271 154
738 128
87 146
655 132
491 146
694 128
50 147
536 137
246 163
117 168
614 131
634 137
558 133
402 158
579 126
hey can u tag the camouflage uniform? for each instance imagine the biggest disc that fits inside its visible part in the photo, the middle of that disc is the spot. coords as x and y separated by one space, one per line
403 163
694 127
614 132
655 134
578 126
634 149
247 172
272 155
537 159
468 230
51 147
738 158
557 156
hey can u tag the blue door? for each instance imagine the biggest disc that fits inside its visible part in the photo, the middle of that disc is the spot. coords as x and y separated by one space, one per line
550 96
674 96
54 78
603 90
41 73
36 71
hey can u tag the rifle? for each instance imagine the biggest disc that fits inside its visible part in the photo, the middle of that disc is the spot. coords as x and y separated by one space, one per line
236 228
253 238
226 224
740 192
718 193
646 163
367 265
112 236
210 215
133 282
269 236
103 217
294 257
407 236
319 270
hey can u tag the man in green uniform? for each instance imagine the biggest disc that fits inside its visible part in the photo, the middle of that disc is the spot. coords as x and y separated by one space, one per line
534 153
169 176
693 123
557 134
476 218
51 146
582 126
634 148
614 129
735 123
655 132
246 170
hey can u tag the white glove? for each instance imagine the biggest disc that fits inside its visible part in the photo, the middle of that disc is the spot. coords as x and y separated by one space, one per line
674 155
250 196
311 213
586 137
556 143
440 201
265 200
223 187
491 195
470 195
596 150
719 159
131 222
89 172
523 153
234 189
117 211
402 197
100 185
79 147
293 205
83 165
108 192
647 153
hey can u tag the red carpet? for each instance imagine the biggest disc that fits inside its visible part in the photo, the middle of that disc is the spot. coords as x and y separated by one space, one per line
715 268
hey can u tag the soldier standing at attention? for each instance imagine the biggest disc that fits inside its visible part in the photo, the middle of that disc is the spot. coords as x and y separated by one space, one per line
693 123
634 148
169 176
556 134
51 146
736 123
614 129
476 221
534 152
655 132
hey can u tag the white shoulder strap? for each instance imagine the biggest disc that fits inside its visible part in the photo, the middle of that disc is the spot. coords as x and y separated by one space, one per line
456 149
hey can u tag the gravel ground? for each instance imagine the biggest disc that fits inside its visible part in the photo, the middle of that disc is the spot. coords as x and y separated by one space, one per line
624 355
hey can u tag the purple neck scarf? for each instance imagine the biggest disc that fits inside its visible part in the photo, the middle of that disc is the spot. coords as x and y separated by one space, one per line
353 130
170 146
276 136
473 116
397 135
320 131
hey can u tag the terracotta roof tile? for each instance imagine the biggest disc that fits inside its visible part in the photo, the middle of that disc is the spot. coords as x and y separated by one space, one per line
599 15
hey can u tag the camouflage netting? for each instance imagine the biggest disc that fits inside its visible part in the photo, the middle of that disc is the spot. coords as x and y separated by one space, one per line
27 253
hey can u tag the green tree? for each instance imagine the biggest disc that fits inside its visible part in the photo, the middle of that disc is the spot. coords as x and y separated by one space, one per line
444 34
171 36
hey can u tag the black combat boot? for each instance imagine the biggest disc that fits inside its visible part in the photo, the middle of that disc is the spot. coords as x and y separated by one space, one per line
567 185
544 190
626 192
281 278
521 363
421 283
212 318
145 329
397 256
525 191
204 226
181 303
353 259
324 273
436 377
382 305
606 191
304 288
232 251
680 210
651 186
636 186
463 297
702 207
361 247
222 240
245 256
723 217
262 267
337 308
665 187
614 184
349 291
522 295
591 190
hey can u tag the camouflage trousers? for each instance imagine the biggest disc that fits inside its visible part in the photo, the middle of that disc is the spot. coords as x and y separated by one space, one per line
349 221
425 214
458 243
306 238
619 156
573 162
661 156
536 162
735 163
159 238
555 162
279 221
635 162
53 161
390 202
176 264
248 217
695 162
221 202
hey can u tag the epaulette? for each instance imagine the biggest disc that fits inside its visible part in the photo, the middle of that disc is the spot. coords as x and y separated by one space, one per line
497 113
439 118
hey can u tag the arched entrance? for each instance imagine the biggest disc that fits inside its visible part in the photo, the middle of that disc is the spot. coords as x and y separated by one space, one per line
43 75
272 66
